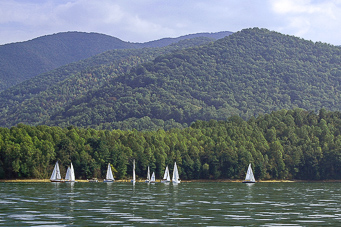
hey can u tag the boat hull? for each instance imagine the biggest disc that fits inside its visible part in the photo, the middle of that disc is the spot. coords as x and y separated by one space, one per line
108 181
165 181
57 181
249 182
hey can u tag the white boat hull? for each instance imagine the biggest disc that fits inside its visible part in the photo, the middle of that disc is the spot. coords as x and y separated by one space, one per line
107 181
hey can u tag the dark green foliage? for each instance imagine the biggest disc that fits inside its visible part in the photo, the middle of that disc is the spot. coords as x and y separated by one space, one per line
21 61
251 72
286 144
35 100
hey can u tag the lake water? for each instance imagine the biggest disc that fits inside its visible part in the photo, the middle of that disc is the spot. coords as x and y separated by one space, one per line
186 204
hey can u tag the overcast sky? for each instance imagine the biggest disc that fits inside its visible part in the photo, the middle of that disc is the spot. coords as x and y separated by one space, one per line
146 20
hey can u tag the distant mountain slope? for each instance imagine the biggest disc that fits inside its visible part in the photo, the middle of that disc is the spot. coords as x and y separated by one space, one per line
248 73
168 41
34 100
21 61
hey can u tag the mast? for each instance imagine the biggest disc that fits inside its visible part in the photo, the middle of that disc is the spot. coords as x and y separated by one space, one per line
134 176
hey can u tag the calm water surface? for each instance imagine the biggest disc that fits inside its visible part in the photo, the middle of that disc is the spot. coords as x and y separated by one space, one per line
186 204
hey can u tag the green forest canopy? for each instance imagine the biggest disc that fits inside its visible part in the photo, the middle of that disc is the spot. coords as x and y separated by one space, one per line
248 73
251 72
286 144
35 100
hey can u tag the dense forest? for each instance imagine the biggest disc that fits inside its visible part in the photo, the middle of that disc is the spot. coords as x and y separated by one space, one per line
251 72
286 144
24 60
248 73
35 100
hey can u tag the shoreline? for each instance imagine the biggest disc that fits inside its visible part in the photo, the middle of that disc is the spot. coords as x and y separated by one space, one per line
183 181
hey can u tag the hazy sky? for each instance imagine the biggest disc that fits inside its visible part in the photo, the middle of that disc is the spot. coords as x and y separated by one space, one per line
145 20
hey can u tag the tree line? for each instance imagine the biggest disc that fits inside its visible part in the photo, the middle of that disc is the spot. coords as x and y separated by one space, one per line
286 144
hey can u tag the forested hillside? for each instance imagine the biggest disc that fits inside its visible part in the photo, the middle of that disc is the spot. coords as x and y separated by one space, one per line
35 100
21 61
248 73
286 144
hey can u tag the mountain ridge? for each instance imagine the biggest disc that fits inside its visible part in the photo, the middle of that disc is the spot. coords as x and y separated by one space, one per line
249 73
23 60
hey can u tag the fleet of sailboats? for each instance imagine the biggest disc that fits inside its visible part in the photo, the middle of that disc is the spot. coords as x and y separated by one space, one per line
70 175
250 178
109 177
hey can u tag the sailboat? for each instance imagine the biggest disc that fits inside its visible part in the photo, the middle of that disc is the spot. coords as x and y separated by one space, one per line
109 177
148 176
70 174
55 177
166 176
134 176
175 178
250 178
152 179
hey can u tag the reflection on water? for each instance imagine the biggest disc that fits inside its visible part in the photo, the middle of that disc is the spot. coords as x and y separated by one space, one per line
54 204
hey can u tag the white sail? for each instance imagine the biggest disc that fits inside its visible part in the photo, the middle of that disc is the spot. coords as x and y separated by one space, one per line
109 175
168 175
56 173
152 179
175 178
67 175
72 173
165 174
249 175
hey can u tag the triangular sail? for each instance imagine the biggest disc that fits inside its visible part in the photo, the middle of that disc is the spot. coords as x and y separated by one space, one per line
109 175
56 173
148 174
152 179
72 173
67 175
165 174
168 175
249 174
175 178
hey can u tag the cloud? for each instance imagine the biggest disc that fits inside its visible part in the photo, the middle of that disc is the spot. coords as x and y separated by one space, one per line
315 20
145 20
